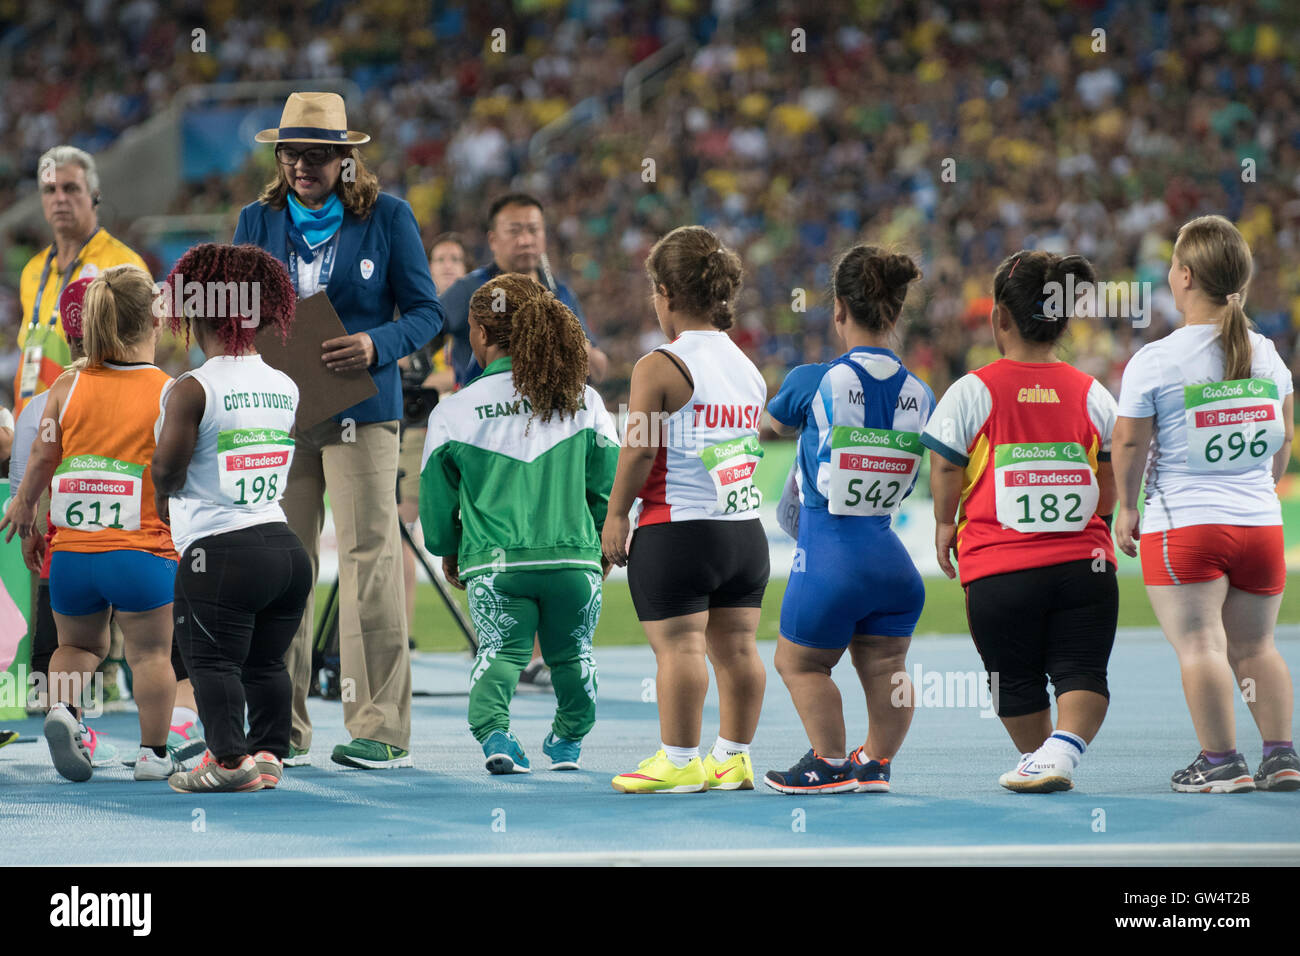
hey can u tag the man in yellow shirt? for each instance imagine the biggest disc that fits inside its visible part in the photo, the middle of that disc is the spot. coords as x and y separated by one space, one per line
69 185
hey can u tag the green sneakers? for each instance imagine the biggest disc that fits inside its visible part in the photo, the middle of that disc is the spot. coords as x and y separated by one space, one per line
371 755
297 758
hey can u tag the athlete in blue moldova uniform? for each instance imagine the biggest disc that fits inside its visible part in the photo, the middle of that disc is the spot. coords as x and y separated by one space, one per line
852 583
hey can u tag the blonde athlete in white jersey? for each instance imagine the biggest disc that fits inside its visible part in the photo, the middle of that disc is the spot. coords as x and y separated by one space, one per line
698 563
1218 401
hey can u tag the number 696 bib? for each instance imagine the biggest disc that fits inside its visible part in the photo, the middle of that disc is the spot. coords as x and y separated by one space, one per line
1044 486
731 465
871 469
1232 426
91 493
253 464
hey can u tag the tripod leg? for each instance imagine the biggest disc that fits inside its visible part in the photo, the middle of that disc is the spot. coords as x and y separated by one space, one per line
457 614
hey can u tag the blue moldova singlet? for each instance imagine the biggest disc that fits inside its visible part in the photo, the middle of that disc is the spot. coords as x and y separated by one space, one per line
859 453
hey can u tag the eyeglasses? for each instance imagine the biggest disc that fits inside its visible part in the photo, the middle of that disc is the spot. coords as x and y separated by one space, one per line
315 156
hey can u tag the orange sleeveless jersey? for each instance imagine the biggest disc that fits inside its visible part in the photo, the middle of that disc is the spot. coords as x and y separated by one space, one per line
110 414
984 545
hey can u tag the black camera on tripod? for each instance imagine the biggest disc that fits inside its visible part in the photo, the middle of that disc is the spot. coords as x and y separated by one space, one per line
417 401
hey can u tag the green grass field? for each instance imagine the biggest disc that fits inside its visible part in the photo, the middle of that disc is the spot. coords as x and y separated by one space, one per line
945 612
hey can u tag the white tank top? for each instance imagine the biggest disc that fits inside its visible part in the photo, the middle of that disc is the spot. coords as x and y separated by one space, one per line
240 465
710 445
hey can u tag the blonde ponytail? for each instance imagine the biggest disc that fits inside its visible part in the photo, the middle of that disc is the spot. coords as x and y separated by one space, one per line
117 313
1220 262
1235 338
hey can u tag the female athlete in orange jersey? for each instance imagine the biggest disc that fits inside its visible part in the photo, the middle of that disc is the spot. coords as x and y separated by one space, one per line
111 550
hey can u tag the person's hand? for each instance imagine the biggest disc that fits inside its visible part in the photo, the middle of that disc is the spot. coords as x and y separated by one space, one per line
451 570
613 539
20 518
162 504
347 353
1126 530
605 567
34 552
945 541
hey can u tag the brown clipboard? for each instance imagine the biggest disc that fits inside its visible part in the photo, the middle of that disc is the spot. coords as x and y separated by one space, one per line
322 393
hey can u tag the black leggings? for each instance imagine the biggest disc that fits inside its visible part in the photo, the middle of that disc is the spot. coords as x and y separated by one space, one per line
239 599
1057 621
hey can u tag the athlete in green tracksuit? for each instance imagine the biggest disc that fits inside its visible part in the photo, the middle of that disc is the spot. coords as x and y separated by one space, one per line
517 472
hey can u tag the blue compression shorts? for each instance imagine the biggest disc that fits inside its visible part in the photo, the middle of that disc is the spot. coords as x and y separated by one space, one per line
854 580
131 581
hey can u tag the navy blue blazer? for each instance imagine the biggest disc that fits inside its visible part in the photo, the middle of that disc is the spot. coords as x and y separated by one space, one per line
389 240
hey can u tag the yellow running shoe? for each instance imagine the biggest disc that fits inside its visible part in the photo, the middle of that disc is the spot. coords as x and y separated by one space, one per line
734 773
658 774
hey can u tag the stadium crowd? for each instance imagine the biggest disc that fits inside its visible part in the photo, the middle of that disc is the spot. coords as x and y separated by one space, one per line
921 136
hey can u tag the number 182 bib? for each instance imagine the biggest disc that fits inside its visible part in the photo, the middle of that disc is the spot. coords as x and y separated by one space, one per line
1044 486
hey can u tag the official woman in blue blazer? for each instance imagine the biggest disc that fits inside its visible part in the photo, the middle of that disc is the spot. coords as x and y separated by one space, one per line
325 218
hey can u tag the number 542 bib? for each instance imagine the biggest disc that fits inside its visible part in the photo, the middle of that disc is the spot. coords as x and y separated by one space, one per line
871 469
1044 486
253 464
1232 426
91 493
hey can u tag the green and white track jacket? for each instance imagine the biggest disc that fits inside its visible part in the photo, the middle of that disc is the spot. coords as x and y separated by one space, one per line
504 496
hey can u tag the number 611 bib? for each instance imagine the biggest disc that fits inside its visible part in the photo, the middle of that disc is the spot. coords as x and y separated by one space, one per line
1232 426
91 493
871 469
1044 486
253 464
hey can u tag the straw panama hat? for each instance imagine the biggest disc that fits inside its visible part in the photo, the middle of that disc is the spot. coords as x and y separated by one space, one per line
313 118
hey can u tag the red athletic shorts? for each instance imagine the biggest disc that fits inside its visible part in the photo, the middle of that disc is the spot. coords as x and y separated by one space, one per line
1252 558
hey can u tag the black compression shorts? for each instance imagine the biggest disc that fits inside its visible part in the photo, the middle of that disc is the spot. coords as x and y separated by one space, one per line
684 567
1054 622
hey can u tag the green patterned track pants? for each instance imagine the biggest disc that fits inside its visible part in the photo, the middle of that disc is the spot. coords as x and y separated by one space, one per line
561 607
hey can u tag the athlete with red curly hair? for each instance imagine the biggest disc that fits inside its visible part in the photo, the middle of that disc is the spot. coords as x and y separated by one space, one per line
224 449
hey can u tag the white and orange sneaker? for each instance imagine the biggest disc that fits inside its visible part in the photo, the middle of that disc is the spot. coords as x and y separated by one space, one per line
210 777
270 767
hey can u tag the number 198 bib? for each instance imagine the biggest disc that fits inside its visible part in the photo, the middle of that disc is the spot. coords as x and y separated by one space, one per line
91 493
731 465
871 469
253 464
1232 426
1044 486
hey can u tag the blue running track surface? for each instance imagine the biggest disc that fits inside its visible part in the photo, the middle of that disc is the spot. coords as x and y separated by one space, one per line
946 806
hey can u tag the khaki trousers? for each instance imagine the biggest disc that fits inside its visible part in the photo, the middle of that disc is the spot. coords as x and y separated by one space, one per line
358 465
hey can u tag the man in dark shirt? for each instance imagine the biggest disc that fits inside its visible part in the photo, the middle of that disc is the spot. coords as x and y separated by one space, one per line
517 237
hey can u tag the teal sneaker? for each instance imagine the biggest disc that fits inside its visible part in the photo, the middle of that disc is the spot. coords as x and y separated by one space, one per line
371 755
102 753
504 753
185 741
564 753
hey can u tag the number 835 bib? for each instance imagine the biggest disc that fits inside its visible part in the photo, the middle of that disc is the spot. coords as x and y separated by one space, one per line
1232 426
1044 486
